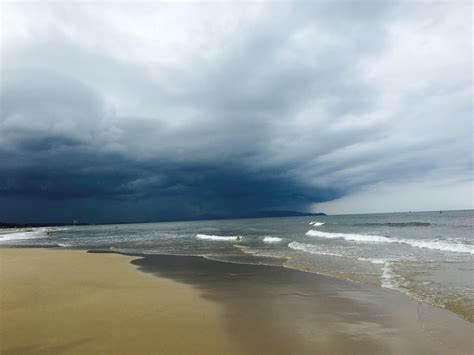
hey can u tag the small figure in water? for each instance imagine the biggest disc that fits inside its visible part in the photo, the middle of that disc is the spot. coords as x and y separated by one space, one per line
238 238
49 232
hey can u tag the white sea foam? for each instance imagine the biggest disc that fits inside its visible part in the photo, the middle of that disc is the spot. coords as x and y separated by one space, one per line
367 238
64 245
438 245
350 237
216 237
272 240
25 234
388 276
59 229
373 260
310 248
316 223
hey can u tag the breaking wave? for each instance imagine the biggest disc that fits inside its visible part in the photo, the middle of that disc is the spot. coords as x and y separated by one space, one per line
24 234
216 237
316 223
424 244
443 246
272 240
350 237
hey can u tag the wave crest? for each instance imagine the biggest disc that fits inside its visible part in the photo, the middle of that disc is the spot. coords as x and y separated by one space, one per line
24 234
316 223
350 237
272 240
424 244
217 237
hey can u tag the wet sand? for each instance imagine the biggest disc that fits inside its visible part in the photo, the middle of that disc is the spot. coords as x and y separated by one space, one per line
56 301
274 310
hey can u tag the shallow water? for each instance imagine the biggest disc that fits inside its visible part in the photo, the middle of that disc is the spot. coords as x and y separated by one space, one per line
275 310
425 255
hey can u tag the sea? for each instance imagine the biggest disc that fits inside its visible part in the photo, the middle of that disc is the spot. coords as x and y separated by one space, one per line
426 255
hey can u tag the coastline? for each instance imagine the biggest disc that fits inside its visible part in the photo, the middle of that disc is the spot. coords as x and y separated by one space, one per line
278 310
182 304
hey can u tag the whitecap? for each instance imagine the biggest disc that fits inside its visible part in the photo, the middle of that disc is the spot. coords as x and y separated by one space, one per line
216 237
350 237
438 245
423 244
272 240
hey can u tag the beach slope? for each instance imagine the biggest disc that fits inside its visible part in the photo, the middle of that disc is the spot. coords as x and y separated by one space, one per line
72 302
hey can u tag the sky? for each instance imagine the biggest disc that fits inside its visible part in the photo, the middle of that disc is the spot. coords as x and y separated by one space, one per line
120 111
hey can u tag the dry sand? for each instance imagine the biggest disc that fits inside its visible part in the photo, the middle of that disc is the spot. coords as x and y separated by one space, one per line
71 302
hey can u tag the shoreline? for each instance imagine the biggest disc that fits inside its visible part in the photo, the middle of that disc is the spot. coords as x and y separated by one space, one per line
279 263
459 312
255 309
462 313
440 278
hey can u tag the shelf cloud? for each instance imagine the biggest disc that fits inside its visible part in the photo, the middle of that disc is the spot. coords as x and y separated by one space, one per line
140 112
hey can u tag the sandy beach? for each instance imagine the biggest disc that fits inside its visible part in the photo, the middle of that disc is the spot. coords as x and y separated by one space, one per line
73 302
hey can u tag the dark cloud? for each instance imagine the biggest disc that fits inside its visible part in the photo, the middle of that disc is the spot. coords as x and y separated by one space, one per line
145 112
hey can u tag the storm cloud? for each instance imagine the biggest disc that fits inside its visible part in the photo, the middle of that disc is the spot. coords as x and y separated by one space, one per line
153 111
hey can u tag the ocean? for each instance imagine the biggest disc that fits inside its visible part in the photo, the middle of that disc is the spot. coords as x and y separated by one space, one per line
426 255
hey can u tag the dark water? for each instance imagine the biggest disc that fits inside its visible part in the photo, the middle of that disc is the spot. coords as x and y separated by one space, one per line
425 255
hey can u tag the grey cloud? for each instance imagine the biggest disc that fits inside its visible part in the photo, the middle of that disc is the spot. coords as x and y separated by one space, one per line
278 110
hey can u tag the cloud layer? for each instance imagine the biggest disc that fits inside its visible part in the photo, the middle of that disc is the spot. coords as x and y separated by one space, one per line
161 111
